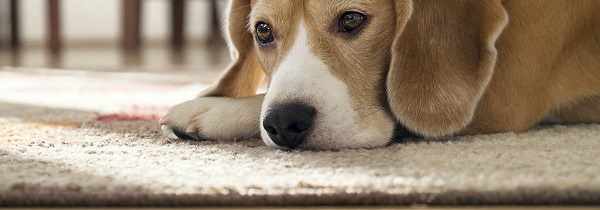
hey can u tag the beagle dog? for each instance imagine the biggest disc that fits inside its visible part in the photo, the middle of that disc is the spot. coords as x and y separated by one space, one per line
349 73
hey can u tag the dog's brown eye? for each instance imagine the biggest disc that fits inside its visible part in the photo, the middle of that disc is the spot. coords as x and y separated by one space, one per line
264 35
350 21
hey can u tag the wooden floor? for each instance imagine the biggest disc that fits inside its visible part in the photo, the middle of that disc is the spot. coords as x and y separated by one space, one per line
112 58
366 207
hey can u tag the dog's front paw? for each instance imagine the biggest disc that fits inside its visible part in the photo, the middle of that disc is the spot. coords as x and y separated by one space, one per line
213 118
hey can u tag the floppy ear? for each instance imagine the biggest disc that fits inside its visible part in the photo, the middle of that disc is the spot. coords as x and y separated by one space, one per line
244 75
443 58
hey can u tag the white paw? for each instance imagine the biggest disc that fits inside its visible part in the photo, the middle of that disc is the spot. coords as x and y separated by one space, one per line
213 118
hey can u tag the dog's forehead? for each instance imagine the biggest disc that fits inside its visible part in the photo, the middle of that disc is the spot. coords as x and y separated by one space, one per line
276 7
318 20
318 15
309 8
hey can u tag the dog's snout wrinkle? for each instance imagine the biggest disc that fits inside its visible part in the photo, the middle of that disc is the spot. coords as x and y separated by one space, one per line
288 125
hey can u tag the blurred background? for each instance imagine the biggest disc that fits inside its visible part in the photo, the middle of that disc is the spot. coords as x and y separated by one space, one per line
113 35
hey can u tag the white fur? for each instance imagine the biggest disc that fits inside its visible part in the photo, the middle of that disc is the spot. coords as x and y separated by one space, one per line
303 77
216 118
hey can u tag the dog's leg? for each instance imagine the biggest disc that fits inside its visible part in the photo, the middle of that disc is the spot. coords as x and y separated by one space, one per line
214 118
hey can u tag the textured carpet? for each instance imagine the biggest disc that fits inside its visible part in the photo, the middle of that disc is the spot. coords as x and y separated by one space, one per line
93 140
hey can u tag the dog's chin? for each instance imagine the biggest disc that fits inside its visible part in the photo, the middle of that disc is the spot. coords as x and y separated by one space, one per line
326 138
361 141
317 144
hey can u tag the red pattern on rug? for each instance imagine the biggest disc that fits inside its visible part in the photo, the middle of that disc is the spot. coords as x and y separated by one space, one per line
135 113
20 82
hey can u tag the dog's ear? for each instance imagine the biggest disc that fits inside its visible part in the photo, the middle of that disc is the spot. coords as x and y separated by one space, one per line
244 75
443 57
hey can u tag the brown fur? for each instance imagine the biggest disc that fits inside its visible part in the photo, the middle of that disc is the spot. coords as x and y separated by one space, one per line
548 60
455 67
245 74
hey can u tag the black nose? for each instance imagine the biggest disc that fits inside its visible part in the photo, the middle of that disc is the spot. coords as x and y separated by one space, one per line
287 125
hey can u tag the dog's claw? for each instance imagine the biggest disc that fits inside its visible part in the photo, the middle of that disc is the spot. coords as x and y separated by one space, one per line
168 131
192 130
164 121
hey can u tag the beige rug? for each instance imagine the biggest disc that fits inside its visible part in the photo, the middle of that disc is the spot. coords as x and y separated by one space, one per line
75 139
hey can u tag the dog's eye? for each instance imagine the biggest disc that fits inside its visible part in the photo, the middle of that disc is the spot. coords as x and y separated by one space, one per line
350 21
264 35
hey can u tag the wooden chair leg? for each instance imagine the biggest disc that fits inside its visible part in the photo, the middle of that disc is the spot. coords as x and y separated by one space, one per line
131 33
54 27
178 24
215 22
15 38
2 27
215 39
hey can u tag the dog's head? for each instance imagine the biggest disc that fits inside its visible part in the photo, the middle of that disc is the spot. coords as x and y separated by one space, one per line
344 73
